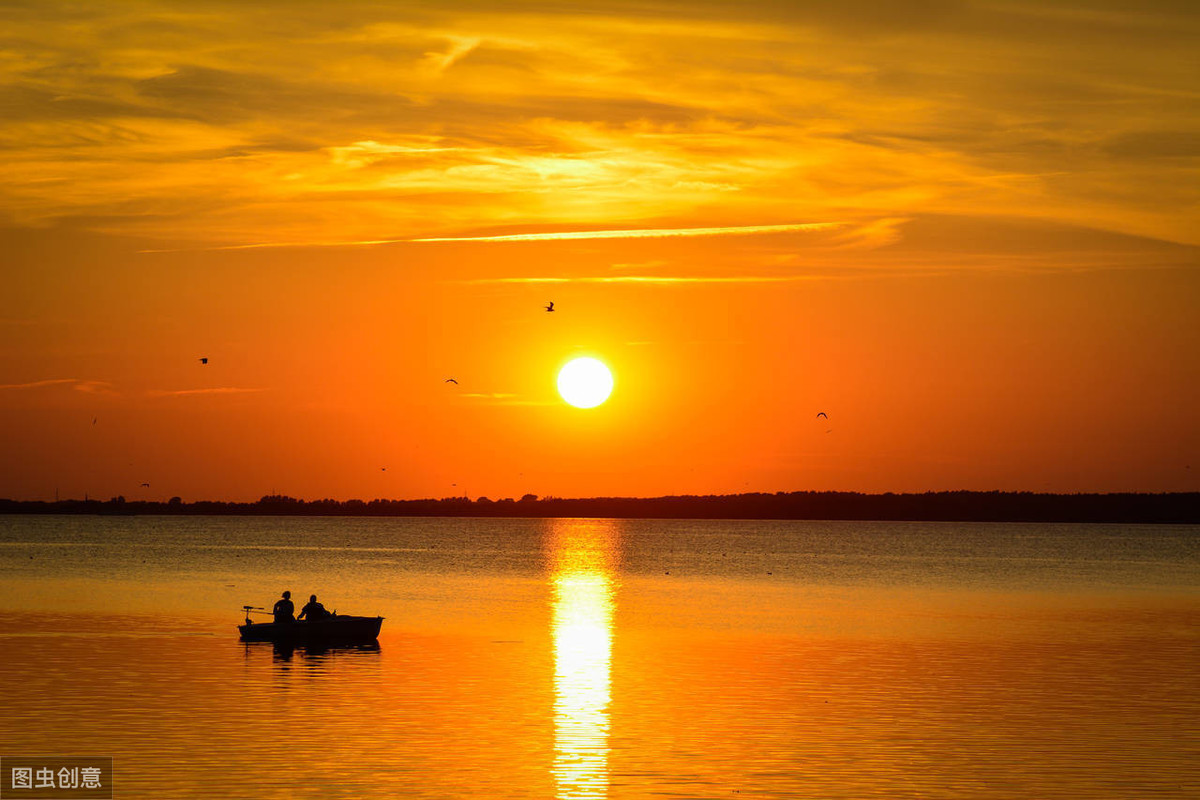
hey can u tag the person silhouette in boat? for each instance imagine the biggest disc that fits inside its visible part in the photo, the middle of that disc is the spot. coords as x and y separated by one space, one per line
313 610
283 608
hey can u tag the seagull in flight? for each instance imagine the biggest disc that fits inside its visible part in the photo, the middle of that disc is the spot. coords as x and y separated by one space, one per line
204 360
822 414
551 306
451 380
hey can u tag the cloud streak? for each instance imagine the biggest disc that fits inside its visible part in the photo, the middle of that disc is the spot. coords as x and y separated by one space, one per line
665 280
642 233
220 390
549 236
78 384
504 399
273 245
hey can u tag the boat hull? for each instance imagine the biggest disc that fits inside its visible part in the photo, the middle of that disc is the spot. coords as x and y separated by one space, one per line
343 629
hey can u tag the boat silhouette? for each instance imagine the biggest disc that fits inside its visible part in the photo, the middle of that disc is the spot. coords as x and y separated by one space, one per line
333 629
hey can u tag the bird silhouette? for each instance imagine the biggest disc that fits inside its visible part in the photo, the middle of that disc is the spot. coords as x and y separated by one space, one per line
822 414
93 420
204 360
146 485
451 380
551 306
383 469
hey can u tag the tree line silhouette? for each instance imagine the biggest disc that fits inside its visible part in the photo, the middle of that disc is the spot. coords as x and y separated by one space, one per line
996 506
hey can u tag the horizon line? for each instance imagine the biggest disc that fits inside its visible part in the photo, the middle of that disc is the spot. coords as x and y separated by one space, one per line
638 498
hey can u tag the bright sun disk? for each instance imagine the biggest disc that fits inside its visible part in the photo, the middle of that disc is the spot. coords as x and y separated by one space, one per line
585 382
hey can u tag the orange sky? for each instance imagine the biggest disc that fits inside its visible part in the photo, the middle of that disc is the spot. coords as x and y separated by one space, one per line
965 231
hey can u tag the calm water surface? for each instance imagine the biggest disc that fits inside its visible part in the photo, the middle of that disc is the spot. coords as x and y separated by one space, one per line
610 658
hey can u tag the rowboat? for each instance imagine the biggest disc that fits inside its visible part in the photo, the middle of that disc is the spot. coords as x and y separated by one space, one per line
337 628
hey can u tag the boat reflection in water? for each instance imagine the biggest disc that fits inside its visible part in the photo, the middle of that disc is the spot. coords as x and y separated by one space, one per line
284 651
582 555
313 651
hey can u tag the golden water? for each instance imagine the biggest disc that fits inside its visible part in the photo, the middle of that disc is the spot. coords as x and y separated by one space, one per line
610 659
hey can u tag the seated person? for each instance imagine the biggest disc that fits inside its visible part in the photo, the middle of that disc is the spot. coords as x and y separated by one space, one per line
284 608
314 610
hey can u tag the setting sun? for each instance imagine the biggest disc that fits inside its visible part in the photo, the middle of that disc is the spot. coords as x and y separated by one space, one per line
585 382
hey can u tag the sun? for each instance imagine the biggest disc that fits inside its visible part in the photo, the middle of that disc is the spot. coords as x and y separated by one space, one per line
585 382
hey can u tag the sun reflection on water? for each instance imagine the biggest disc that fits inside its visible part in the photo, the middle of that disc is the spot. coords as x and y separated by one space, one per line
582 554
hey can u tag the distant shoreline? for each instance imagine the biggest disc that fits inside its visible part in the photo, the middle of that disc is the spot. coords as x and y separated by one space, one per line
959 506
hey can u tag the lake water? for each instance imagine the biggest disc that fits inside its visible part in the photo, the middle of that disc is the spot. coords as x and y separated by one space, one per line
610 658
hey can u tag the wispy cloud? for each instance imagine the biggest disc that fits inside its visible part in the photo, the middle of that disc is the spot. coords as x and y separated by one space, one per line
643 233
648 343
219 390
39 384
439 119
505 399
662 279
104 387
872 234
270 245
435 63
78 384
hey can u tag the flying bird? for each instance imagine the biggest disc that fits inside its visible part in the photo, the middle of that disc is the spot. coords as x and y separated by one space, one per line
93 420
451 380
822 414
146 485
204 360
551 306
